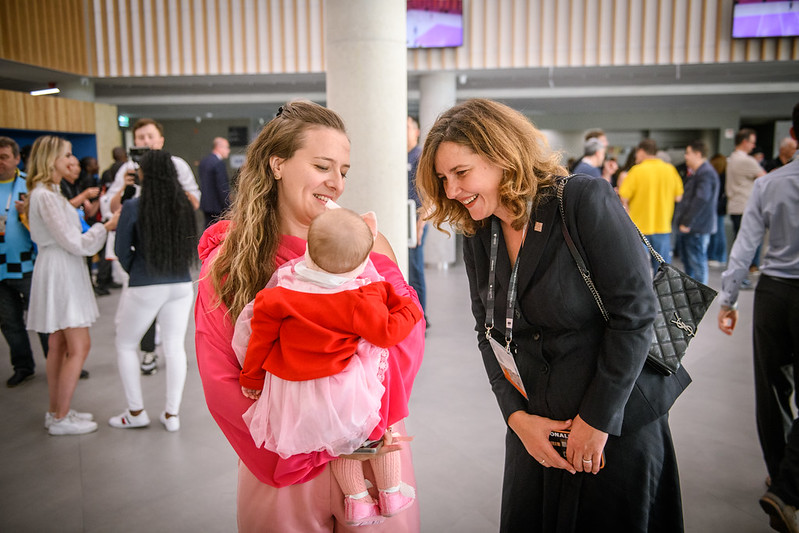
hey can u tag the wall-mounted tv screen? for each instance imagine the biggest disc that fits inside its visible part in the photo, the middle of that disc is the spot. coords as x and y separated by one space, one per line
434 23
765 18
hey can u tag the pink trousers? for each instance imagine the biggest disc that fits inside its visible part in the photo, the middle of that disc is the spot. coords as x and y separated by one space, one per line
315 506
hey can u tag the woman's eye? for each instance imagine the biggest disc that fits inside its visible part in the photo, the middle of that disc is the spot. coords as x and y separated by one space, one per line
322 168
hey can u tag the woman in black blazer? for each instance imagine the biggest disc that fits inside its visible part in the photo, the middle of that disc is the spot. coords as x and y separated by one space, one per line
487 171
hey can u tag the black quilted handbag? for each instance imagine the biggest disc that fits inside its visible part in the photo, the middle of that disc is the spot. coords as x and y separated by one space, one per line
682 302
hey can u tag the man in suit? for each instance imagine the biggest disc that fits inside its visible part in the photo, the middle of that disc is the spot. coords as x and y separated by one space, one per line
214 183
697 215
787 151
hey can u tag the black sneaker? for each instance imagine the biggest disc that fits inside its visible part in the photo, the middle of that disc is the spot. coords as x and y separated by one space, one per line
20 376
149 363
101 291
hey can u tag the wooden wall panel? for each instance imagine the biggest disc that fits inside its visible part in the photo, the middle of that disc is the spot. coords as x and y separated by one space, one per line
107 133
585 33
46 33
49 113
198 37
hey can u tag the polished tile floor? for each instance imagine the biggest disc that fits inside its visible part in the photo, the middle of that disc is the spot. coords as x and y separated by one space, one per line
151 480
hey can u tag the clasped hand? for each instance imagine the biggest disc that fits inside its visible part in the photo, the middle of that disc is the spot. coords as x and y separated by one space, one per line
585 442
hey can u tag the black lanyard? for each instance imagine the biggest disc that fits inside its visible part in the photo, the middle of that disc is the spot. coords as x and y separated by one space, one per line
511 304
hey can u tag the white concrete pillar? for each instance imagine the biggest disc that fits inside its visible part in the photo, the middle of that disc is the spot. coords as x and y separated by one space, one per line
367 84
437 93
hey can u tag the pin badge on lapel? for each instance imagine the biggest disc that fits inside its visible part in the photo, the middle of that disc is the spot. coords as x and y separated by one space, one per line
538 227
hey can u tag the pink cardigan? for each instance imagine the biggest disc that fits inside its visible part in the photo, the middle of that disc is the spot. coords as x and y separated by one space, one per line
219 368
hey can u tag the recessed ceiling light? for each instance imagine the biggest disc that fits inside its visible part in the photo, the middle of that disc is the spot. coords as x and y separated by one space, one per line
51 90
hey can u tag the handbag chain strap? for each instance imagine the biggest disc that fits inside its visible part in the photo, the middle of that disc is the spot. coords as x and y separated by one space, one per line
581 266
584 272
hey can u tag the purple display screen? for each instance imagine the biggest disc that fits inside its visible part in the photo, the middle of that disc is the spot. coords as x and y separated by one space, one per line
775 18
433 29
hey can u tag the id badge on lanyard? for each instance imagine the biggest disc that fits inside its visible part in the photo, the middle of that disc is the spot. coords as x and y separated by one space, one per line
504 353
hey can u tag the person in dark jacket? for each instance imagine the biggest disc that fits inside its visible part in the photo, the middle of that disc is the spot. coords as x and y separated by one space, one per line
214 182
487 171
155 245
697 219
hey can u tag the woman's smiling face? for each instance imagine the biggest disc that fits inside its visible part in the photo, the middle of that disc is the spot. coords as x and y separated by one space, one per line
61 166
470 179
311 177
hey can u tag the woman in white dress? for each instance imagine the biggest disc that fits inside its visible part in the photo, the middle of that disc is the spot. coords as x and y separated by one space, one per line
62 301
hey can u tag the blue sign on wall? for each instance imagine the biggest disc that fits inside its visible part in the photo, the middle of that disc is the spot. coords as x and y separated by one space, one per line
83 144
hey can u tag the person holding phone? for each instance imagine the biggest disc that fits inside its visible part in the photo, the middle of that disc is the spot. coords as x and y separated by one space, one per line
147 135
155 245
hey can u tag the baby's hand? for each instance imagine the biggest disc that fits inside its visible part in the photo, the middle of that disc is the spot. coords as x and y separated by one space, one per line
251 393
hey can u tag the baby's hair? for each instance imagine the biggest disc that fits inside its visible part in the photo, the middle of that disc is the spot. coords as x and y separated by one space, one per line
339 240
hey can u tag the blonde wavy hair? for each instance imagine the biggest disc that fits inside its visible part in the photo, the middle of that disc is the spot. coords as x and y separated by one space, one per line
505 138
41 163
246 259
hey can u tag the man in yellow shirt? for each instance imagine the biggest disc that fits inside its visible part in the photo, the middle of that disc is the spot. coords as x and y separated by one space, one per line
649 193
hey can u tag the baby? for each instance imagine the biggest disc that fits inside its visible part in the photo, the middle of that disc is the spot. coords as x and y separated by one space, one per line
316 357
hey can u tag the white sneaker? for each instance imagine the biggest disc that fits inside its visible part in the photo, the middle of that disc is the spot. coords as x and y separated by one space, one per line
49 417
71 425
128 421
172 423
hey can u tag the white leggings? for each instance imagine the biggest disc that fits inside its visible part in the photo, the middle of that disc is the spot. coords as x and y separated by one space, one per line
138 307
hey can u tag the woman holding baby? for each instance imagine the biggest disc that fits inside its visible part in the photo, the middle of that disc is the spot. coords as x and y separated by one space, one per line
295 166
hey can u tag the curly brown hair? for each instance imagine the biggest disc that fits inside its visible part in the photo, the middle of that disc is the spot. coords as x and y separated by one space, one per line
246 259
505 138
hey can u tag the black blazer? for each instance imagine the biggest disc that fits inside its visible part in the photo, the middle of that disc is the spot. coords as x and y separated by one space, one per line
571 361
214 185
697 209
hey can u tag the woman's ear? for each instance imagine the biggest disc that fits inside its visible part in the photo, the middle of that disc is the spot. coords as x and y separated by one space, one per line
371 220
276 164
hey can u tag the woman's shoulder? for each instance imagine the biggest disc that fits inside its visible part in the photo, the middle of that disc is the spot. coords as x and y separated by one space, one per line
212 238
42 189
45 193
